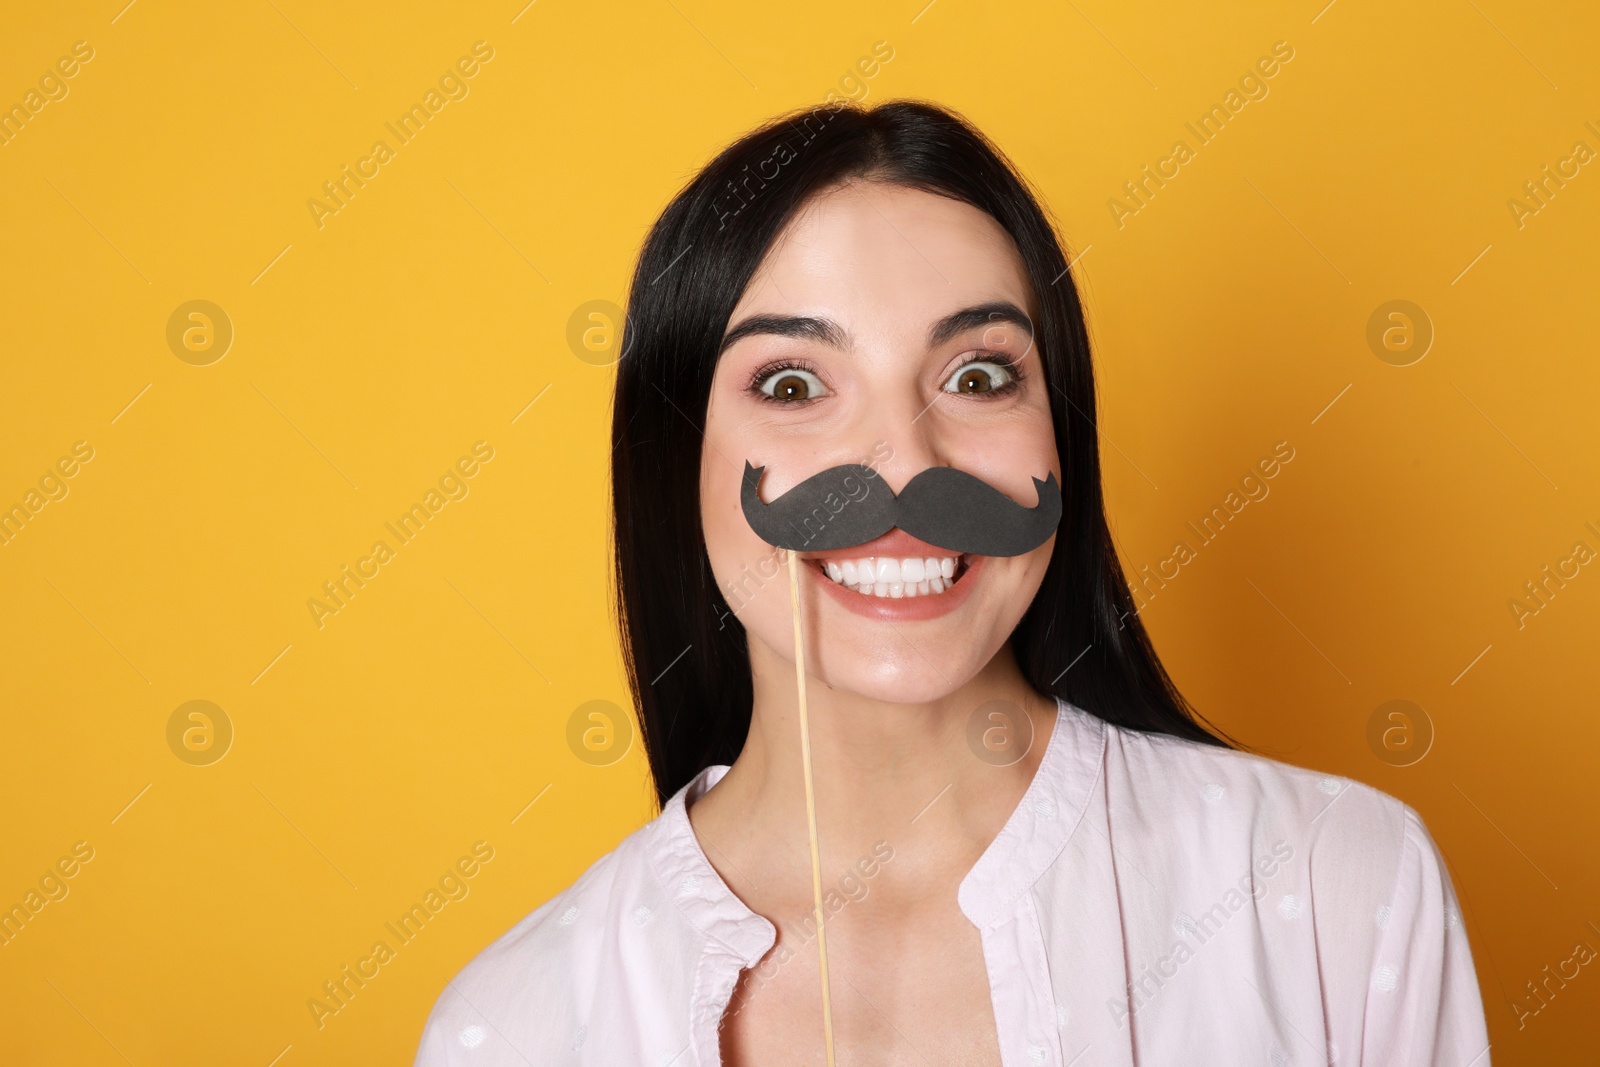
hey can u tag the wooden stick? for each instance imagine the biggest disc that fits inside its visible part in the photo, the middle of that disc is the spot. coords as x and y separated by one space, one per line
811 801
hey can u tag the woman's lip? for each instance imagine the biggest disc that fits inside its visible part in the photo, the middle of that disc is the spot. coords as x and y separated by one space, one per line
896 544
901 609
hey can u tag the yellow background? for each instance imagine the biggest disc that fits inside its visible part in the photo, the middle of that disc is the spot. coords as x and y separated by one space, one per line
369 354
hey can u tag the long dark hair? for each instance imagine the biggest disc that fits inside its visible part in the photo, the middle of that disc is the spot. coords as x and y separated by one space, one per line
686 653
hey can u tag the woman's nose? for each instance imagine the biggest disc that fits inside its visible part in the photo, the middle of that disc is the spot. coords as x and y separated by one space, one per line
903 434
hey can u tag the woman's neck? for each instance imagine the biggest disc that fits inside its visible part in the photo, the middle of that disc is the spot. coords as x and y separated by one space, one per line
917 776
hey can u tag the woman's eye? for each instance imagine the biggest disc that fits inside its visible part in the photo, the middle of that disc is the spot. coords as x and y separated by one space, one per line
792 383
979 377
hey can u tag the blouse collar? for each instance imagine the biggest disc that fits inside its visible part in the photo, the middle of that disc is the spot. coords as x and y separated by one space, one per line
1042 822
703 897
1029 842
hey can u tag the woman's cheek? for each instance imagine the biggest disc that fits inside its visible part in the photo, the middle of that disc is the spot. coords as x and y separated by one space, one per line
745 568
722 540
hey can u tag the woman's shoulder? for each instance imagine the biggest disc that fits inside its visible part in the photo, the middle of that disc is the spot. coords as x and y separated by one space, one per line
529 990
1336 878
1210 802
1222 785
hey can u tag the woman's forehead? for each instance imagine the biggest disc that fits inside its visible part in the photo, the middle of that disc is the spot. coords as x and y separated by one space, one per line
872 252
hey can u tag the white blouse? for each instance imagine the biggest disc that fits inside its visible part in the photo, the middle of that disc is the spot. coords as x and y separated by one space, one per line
1150 901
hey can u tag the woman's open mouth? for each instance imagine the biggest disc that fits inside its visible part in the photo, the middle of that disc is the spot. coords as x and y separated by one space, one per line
886 576
897 578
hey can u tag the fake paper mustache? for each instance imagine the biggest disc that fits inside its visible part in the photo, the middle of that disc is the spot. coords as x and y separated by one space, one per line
849 505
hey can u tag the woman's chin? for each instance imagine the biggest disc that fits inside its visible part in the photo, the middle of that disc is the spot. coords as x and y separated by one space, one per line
901 677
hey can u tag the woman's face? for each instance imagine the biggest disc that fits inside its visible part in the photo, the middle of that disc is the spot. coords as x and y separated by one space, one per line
864 357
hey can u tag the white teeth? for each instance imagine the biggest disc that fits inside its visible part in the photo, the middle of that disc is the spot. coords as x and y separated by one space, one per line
881 576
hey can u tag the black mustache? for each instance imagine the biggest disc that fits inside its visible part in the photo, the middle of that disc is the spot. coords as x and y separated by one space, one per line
849 505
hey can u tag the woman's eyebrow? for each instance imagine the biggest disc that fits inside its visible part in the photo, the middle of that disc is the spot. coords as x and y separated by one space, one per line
826 331
996 311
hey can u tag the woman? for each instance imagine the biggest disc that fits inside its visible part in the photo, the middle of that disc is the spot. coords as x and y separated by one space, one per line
1031 851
